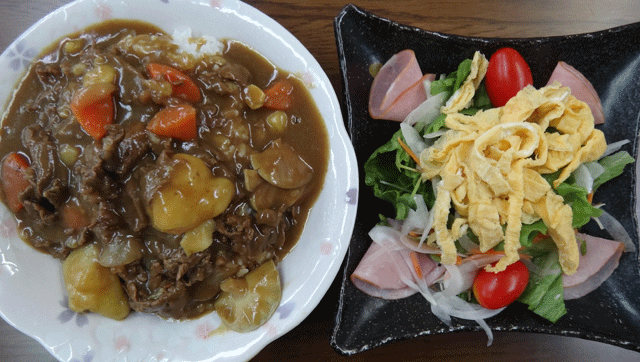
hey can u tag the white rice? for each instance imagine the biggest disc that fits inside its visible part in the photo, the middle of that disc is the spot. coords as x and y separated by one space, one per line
198 45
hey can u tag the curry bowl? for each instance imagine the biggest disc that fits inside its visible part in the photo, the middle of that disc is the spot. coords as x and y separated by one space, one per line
33 297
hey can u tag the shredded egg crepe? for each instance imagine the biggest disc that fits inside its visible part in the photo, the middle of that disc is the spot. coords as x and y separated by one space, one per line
490 168
464 96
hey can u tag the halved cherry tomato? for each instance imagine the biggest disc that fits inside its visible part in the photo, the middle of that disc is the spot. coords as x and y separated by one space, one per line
507 74
497 290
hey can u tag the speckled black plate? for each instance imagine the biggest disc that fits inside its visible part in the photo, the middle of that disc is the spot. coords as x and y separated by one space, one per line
609 59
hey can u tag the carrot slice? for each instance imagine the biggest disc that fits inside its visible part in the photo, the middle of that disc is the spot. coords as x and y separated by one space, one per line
73 216
175 121
14 181
408 151
539 237
416 264
182 86
94 109
279 95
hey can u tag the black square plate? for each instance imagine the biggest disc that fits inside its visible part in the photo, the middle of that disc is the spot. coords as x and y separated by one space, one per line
610 59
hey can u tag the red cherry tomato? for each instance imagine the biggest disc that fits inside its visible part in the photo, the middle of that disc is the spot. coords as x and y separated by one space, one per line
497 290
507 74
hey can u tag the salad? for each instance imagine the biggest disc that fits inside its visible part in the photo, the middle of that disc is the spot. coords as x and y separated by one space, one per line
491 180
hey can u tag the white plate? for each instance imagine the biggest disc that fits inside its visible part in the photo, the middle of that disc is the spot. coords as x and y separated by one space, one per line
32 296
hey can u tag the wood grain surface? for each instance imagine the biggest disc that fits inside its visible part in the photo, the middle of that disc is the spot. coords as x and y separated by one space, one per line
312 23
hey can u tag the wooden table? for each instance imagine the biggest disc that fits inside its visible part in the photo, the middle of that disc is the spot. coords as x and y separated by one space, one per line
312 23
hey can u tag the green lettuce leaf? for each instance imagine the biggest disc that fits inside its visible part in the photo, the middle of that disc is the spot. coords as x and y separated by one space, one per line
540 248
481 98
464 69
453 81
544 294
450 85
613 167
392 175
436 124
576 197
529 231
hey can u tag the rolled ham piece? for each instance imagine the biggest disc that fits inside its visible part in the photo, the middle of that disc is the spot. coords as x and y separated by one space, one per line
385 272
376 275
580 87
596 266
398 87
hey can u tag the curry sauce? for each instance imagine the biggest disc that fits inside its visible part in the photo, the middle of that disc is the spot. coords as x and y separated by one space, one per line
110 145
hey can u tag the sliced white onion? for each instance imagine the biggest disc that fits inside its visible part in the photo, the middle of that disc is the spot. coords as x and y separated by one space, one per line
416 219
414 141
435 134
420 219
487 330
461 276
459 308
404 272
389 239
445 304
617 231
597 220
423 288
427 87
418 247
442 312
454 306
396 224
468 245
595 169
435 275
427 111
386 236
614 147
121 250
584 178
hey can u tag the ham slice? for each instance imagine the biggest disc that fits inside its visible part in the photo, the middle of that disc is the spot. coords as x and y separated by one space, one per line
596 266
580 87
376 275
398 87
384 271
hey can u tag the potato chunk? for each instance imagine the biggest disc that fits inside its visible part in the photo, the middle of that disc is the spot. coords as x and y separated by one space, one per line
267 196
101 73
247 303
191 195
280 165
198 238
91 286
